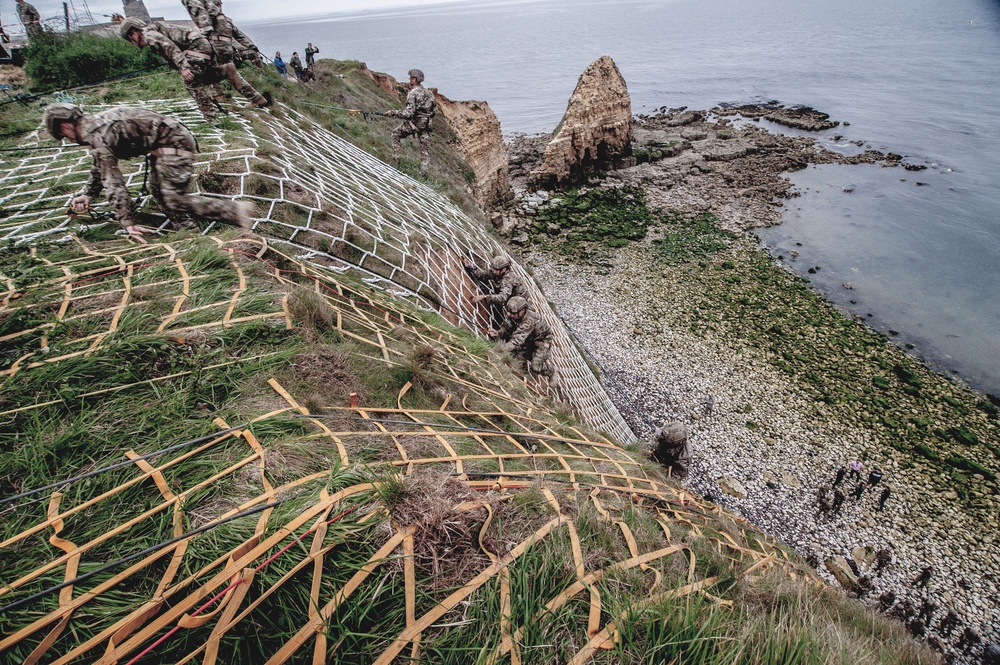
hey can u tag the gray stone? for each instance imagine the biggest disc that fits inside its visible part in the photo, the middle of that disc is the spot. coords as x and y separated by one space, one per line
732 487
841 570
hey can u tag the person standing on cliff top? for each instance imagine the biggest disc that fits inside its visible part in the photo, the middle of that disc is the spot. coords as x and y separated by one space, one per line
417 115
125 133
31 19
311 52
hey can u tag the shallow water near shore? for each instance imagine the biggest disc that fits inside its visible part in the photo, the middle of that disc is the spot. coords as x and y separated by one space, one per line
915 77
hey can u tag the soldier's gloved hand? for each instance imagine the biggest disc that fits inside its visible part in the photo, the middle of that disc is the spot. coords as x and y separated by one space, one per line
478 299
466 263
80 203
187 75
391 114
135 232
492 333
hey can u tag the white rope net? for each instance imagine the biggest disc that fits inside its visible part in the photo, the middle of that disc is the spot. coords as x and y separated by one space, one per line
333 205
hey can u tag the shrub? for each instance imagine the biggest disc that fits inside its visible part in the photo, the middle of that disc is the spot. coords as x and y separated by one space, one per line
55 61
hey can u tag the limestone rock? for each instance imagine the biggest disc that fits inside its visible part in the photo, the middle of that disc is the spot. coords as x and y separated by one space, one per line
732 487
480 142
136 9
595 131
840 569
863 556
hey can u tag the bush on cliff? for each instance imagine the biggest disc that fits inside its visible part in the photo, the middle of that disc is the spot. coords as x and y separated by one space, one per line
60 62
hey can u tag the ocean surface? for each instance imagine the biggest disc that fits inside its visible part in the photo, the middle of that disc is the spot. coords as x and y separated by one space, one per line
916 77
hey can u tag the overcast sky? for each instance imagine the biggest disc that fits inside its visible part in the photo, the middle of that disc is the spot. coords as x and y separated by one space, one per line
245 10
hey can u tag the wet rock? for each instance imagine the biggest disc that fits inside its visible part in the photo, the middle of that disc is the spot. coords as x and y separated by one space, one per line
839 568
732 487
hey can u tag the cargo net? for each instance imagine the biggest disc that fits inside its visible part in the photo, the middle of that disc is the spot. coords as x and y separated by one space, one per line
217 539
336 205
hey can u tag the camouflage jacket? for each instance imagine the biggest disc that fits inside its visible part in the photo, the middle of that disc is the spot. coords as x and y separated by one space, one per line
420 107
28 14
125 132
183 49
509 285
530 329
204 13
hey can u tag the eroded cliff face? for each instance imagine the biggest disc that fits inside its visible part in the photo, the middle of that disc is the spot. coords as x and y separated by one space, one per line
480 143
595 131
384 81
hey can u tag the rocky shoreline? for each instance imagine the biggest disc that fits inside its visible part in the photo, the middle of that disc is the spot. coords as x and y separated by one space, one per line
768 444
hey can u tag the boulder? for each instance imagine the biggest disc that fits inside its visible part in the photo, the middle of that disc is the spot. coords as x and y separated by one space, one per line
136 9
841 570
732 487
595 132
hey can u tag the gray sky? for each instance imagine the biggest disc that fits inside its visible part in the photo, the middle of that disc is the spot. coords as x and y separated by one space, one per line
245 10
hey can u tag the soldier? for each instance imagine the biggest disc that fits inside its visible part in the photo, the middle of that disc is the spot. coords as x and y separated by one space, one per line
526 335
31 19
824 500
124 133
417 115
883 497
838 499
191 55
225 37
311 52
506 283
670 447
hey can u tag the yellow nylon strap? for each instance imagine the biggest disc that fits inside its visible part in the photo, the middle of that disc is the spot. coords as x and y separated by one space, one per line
226 620
316 554
451 601
312 626
597 642
66 593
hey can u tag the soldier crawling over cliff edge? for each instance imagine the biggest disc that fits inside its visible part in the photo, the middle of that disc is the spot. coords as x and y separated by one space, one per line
123 133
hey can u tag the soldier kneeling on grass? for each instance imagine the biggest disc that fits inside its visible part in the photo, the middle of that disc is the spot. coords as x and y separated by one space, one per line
125 133
670 447
526 336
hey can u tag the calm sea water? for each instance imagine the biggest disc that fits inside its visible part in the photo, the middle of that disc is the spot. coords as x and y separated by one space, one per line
916 77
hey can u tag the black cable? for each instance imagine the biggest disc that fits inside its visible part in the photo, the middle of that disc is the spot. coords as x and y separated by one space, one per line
130 557
110 79
118 465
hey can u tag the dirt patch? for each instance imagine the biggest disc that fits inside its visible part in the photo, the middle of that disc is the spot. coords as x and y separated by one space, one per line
446 543
326 373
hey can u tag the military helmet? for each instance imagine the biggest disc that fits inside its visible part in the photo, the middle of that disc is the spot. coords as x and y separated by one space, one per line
61 112
130 24
417 74
516 304
499 262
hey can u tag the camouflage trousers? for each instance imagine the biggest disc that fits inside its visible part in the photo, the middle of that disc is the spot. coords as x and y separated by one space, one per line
205 88
168 180
407 129
535 358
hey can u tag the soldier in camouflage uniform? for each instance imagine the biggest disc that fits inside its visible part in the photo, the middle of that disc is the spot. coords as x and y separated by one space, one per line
417 115
504 281
526 336
125 133
190 53
228 40
31 19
